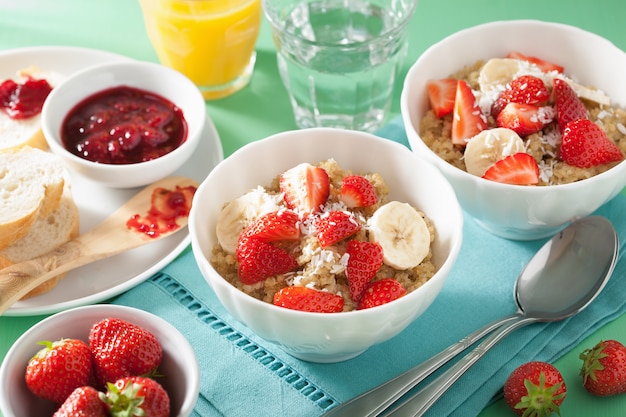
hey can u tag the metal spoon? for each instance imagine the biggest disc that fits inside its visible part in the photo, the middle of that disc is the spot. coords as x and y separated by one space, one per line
563 277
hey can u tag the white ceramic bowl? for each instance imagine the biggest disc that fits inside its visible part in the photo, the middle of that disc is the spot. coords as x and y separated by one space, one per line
179 367
155 78
517 212
320 337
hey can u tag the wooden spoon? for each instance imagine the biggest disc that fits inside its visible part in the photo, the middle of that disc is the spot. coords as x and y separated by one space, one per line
109 238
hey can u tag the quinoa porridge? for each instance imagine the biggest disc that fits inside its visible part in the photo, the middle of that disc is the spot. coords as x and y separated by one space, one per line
318 249
544 145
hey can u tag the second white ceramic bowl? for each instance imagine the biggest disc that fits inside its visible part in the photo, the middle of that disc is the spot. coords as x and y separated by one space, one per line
510 211
323 337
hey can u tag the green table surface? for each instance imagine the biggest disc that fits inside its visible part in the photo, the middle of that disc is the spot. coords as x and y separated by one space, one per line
262 108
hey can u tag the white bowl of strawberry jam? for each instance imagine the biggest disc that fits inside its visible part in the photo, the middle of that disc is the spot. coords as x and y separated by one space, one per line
124 124
568 189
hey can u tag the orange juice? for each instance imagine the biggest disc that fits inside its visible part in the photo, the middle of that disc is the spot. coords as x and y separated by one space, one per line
210 41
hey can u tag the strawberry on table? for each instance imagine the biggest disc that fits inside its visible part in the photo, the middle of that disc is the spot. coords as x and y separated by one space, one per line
545 66
518 169
381 292
335 226
120 348
275 226
83 402
526 89
585 144
137 396
467 118
357 191
308 299
568 106
259 259
364 260
525 119
604 368
441 94
305 187
58 369
535 389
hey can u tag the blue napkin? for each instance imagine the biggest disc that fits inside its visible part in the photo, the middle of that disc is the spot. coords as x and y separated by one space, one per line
242 375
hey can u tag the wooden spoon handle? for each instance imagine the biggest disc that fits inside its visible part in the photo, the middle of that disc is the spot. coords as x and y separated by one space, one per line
19 279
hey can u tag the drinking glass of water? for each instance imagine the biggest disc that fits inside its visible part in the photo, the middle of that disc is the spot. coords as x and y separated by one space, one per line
339 59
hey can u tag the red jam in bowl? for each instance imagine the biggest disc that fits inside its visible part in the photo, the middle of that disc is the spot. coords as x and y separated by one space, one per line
123 125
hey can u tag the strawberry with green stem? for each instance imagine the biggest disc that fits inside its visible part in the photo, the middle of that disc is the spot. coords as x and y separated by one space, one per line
604 368
58 369
136 396
535 389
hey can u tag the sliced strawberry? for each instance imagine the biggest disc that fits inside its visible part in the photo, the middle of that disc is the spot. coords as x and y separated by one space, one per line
585 144
543 65
568 106
525 119
365 259
526 89
259 260
308 299
335 226
441 94
305 187
357 191
467 119
381 292
274 226
518 169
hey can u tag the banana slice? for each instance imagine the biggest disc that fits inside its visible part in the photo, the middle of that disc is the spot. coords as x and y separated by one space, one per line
497 72
239 213
402 233
488 147
589 93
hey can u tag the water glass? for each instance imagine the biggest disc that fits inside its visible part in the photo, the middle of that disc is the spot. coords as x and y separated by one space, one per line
210 41
339 59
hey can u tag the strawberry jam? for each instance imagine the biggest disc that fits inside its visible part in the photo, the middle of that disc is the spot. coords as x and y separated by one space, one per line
123 125
166 208
22 101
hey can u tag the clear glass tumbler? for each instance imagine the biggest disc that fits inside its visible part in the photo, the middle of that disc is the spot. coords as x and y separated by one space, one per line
339 59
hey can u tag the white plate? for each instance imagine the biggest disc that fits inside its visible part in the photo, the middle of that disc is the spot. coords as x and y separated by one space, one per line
104 279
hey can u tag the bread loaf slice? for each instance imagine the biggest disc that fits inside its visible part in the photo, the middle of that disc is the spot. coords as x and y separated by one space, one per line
46 234
17 133
31 186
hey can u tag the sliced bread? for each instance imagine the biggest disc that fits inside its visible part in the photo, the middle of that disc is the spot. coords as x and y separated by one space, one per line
46 233
16 133
31 186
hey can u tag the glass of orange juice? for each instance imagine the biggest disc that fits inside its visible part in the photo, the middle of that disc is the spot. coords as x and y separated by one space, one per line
210 41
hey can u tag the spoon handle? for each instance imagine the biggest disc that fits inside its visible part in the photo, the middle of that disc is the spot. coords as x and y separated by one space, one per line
417 404
376 400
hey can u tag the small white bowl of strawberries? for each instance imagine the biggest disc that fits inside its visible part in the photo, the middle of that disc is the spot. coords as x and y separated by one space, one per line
528 124
104 359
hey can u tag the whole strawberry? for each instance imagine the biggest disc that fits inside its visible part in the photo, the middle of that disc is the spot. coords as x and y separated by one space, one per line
57 369
604 368
121 349
535 389
137 396
83 402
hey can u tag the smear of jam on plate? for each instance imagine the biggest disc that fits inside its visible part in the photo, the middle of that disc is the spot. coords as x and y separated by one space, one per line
167 206
23 100
123 125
